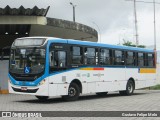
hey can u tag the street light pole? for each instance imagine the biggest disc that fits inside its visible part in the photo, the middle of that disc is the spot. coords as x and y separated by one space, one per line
73 10
99 31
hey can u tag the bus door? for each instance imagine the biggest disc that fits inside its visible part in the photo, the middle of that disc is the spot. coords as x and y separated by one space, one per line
57 64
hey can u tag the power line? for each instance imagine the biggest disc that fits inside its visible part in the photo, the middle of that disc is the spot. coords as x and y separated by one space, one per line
144 1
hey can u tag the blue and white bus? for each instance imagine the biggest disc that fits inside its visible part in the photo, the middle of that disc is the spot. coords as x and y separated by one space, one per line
46 66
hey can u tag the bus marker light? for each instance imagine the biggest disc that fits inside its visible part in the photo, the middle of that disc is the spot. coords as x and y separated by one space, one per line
42 82
9 80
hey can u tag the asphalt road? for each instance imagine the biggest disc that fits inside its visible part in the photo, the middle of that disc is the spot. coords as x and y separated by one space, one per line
142 100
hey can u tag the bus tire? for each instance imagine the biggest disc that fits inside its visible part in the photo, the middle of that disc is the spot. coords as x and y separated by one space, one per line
102 93
122 92
42 97
129 88
73 93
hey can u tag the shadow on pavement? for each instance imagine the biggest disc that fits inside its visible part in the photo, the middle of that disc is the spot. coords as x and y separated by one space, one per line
81 98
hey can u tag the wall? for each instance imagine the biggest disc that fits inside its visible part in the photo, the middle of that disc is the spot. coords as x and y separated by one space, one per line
4 76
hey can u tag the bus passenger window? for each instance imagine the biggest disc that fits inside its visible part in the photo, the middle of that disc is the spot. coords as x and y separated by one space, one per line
150 60
119 58
90 56
130 59
140 59
105 58
76 54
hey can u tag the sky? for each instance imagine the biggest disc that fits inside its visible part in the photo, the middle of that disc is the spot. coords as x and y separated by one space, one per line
113 19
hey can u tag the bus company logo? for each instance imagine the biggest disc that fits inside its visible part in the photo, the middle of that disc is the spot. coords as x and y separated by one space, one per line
6 114
98 75
88 75
78 75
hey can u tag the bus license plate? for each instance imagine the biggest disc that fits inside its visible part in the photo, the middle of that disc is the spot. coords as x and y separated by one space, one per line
24 88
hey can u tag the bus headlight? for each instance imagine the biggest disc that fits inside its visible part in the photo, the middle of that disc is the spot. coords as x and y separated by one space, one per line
42 82
9 81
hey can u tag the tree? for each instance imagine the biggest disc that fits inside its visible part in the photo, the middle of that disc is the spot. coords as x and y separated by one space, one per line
129 43
141 46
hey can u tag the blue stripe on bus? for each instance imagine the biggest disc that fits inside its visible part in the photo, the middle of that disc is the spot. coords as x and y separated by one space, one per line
25 83
37 81
94 44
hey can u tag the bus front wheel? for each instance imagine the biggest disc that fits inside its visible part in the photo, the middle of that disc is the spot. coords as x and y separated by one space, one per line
73 92
129 88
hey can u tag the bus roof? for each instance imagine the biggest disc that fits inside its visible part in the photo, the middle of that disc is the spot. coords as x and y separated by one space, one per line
94 44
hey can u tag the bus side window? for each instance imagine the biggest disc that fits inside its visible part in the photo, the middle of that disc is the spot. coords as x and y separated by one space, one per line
119 57
105 57
90 56
76 55
150 60
140 59
130 59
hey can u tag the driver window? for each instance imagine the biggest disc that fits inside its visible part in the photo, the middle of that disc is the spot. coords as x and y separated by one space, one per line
51 58
57 60
61 59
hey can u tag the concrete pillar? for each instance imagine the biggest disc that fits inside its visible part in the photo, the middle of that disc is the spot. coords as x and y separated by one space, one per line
4 77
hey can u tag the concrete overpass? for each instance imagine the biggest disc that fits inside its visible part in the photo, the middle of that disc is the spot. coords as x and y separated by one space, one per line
20 22
24 22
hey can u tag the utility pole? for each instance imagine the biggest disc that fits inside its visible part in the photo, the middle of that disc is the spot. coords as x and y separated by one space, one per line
154 6
73 10
136 26
154 10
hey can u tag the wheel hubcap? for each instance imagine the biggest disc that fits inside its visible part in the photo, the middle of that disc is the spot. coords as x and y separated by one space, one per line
130 88
72 91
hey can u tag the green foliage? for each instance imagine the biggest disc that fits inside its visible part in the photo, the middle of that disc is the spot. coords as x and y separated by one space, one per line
141 46
128 43
157 87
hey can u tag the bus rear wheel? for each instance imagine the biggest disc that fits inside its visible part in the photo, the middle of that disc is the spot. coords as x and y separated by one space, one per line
73 93
42 97
129 88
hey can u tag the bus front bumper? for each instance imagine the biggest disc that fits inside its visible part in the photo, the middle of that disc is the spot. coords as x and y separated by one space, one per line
30 90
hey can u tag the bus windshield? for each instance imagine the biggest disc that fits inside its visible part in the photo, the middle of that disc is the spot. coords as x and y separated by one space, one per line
32 58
